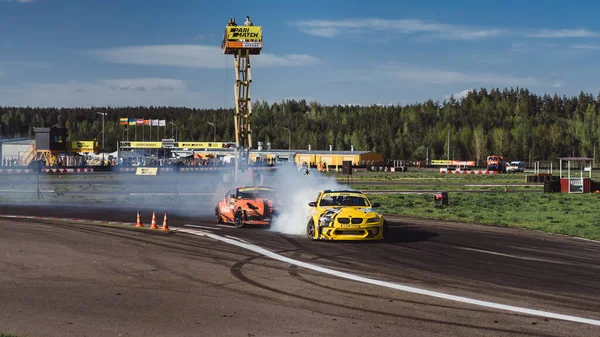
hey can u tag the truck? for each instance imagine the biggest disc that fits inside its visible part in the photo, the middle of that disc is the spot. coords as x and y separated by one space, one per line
496 163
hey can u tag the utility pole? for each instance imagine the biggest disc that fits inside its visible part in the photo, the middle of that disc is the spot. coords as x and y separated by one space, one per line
214 131
448 163
103 114
594 156
289 143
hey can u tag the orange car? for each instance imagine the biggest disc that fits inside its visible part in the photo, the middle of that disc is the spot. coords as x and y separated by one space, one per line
247 205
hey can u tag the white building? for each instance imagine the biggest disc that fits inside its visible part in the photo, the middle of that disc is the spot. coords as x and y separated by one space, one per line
13 149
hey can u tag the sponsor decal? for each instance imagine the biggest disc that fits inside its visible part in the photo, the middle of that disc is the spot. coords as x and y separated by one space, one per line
146 171
244 33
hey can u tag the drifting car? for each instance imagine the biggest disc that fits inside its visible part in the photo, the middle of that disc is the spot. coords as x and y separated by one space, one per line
344 215
247 205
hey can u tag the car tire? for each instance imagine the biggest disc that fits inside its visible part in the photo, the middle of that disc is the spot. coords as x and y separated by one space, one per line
310 229
238 218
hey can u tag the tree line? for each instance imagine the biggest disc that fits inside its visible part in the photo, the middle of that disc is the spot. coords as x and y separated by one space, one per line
511 122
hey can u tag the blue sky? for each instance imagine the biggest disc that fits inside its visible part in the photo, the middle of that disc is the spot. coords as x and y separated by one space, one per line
67 53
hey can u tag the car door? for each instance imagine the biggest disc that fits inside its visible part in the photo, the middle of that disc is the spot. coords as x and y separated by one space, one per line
227 204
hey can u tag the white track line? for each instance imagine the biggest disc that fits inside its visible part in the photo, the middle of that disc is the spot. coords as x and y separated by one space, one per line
204 227
513 256
391 285
27 191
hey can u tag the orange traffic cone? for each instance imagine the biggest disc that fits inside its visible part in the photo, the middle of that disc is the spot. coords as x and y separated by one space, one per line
165 227
139 220
153 225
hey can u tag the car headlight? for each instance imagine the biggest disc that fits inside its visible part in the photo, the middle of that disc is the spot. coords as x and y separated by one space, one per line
326 221
372 220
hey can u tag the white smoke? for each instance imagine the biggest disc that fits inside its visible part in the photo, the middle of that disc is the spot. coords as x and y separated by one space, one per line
296 190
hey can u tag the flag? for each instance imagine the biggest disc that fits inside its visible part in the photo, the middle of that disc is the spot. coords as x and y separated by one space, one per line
146 122
139 122
132 121
162 122
155 122
123 121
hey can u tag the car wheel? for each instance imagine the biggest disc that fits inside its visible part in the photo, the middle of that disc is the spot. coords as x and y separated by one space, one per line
238 218
310 229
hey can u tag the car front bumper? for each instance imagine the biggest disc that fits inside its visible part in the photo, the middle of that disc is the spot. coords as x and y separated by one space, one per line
351 232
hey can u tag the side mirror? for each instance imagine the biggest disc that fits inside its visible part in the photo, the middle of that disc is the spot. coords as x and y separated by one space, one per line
312 204
375 205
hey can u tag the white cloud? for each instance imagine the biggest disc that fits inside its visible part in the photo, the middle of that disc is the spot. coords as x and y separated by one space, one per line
403 74
563 33
586 46
438 76
195 56
19 1
203 36
459 95
145 84
110 92
332 28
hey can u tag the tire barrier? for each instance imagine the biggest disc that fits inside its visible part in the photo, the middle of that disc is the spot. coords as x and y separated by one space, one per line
541 178
551 186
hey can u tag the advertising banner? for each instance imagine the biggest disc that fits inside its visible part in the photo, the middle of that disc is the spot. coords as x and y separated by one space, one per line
453 162
202 145
146 145
244 33
146 171
81 146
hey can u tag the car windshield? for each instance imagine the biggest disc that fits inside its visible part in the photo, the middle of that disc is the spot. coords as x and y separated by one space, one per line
343 200
253 194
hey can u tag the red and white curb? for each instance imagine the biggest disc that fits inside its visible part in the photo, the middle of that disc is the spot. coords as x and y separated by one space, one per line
68 170
446 171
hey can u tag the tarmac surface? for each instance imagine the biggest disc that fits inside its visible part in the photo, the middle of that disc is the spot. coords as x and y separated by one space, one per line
62 278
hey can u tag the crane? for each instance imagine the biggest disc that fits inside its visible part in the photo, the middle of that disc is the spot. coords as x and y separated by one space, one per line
241 42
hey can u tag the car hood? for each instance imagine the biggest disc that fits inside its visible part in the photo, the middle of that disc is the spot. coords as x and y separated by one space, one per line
351 212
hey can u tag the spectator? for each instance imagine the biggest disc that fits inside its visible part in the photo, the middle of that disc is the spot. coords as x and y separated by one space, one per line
248 22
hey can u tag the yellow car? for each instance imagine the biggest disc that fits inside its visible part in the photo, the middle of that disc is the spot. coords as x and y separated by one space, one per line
344 215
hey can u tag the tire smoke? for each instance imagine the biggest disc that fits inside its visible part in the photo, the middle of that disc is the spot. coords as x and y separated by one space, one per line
296 189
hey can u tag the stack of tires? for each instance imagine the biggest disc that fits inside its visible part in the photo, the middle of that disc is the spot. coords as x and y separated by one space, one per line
552 185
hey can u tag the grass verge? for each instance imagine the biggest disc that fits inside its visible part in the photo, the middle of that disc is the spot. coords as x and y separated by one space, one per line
559 213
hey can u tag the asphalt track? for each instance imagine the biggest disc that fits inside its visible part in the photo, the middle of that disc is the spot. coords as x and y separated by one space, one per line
66 279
